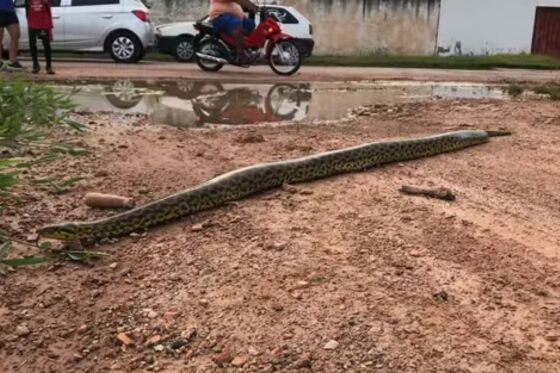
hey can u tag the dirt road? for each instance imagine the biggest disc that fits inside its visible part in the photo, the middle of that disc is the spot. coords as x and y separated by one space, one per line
167 70
340 275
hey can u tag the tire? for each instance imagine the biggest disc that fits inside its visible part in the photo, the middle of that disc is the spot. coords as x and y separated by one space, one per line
184 49
124 47
286 46
206 65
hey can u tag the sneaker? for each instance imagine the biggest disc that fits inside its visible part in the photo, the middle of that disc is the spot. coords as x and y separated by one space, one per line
15 66
50 71
36 69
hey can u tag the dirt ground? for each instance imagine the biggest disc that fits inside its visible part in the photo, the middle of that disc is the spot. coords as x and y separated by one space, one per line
169 70
344 274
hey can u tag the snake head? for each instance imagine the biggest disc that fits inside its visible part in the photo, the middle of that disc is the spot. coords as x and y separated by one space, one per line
63 232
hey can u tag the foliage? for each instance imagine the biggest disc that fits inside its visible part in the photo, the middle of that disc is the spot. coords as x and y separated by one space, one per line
523 61
28 111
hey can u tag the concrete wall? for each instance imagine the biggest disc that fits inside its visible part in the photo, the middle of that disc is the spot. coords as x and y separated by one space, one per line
487 26
344 27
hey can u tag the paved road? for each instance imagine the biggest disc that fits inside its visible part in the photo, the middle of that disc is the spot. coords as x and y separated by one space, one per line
172 70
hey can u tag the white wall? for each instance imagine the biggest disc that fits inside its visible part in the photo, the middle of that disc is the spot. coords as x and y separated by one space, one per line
487 26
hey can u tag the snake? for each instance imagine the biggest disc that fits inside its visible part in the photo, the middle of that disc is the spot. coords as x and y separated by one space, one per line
243 182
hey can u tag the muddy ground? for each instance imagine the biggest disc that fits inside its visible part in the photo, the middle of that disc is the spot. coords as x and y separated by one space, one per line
171 71
344 274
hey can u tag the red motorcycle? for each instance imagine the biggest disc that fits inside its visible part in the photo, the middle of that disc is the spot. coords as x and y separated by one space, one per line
214 49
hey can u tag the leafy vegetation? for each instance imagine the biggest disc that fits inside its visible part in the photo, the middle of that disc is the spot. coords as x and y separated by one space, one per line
525 61
28 114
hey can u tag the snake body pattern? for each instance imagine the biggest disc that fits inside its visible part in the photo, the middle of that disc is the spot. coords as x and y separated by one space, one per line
246 181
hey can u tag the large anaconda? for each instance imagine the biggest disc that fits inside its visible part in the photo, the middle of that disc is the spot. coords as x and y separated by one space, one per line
249 180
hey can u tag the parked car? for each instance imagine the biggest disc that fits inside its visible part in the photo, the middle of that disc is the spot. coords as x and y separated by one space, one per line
176 38
121 28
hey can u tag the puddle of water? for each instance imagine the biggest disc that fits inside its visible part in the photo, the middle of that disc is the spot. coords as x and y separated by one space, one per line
198 103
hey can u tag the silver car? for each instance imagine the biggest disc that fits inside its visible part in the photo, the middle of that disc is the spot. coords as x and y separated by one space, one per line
121 28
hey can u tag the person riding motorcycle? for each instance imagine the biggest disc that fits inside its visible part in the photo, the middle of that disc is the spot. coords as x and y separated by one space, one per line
227 16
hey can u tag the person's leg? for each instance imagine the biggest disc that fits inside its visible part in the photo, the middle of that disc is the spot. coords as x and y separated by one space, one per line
233 26
1 47
48 53
13 31
248 25
33 49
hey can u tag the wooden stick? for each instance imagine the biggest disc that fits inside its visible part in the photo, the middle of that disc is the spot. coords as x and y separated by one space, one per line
107 201
439 193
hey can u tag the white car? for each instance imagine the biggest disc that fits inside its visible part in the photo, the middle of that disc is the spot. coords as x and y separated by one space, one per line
176 38
121 28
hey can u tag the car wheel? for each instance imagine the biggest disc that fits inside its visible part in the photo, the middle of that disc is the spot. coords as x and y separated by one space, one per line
184 49
124 47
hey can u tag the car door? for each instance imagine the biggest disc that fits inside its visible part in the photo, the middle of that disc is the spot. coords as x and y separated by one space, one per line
58 24
87 23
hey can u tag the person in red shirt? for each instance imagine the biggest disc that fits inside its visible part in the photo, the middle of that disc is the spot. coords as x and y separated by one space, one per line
40 25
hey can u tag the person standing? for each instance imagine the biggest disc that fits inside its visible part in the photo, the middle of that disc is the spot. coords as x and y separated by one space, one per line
10 22
40 25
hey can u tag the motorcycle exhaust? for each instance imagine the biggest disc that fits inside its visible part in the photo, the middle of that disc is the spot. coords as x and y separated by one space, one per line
212 58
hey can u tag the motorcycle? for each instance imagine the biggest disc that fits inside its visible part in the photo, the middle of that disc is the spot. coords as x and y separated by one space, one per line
267 42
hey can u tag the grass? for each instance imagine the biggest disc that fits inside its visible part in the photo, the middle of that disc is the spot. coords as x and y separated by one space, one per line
525 61
550 89
520 61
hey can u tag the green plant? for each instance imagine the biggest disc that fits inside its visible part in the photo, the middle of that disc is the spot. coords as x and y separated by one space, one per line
28 114
28 111
514 90
550 89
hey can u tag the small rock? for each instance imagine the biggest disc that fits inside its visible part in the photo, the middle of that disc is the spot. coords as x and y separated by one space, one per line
415 253
189 334
222 358
290 188
178 343
197 227
278 246
124 339
239 361
253 351
331 345
113 265
154 340
169 315
552 337
83 328
304 361
277 307
159 348
441 296
203 302
149 359
22 330
152 314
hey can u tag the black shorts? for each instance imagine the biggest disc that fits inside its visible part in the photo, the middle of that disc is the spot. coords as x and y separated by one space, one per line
8 18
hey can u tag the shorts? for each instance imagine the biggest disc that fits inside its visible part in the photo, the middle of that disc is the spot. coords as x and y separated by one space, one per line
8 18
228 22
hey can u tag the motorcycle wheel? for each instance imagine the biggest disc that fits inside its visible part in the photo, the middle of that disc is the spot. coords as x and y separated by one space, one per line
285 58
211 48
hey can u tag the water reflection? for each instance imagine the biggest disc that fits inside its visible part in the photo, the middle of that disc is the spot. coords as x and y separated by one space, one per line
187 103
193 103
